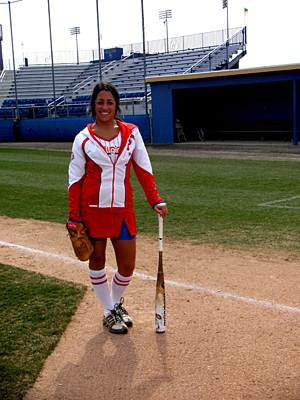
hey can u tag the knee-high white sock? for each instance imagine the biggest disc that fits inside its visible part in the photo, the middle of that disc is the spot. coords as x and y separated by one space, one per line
101 288
119 285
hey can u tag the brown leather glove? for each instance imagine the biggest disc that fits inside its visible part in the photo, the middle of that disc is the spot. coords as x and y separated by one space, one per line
81 242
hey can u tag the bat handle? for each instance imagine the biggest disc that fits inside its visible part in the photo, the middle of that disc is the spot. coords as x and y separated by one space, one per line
160 232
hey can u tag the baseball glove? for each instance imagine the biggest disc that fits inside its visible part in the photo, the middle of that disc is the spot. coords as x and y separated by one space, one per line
81 242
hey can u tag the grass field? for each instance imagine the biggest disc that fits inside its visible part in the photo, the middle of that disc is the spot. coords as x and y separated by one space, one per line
233 203
34 310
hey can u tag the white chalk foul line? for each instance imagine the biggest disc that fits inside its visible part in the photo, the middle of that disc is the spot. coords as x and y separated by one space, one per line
271 203
213 292
29 250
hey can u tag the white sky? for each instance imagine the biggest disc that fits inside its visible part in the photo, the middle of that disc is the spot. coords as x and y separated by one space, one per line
273 25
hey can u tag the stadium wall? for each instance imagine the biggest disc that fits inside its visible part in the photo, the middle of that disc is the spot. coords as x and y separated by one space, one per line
227 104
7 130
60 129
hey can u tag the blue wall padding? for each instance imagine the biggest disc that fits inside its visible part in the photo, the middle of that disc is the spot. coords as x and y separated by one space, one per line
163 109
7 130
64 129
142 121
51 129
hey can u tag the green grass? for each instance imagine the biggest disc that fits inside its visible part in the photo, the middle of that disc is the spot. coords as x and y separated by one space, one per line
35 184
34 312
211 201
217 201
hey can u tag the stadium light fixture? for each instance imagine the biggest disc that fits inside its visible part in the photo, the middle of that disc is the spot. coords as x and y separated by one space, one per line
165 15
76 31
13 56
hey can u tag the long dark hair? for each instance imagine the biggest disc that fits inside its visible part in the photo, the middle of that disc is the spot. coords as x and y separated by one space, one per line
108 87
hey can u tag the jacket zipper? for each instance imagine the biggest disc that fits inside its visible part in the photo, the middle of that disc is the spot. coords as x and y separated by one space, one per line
113 188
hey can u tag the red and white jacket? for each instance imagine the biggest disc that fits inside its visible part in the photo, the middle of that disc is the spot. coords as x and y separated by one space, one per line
96 184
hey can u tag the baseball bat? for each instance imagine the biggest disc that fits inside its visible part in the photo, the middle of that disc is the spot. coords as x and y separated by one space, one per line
160 300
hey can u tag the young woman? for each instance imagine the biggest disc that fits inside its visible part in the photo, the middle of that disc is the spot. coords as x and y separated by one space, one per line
100 196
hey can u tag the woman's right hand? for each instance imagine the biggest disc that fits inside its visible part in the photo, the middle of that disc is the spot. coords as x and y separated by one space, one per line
161 209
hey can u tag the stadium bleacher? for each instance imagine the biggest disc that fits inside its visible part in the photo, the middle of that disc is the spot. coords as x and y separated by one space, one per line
74 82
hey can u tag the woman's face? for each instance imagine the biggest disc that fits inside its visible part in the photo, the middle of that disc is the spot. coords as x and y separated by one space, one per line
105 107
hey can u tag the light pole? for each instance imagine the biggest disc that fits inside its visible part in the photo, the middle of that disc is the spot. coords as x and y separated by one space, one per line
22 44
53 81
144 55
165 15
99 47
13 56
76 31
1 56
225 5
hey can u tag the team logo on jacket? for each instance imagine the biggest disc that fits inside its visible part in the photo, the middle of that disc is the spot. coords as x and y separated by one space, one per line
112 150
72 156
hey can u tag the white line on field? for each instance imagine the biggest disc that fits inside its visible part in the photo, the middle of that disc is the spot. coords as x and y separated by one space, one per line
270 203
295 208
213 292
29 250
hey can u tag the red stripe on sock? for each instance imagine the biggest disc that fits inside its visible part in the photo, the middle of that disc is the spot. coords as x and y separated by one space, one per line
123 281
98 283
100 277
118 282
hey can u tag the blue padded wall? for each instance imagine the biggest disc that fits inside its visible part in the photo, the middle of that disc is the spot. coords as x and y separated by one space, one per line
163 122
65 129
51 129
7 130
142 121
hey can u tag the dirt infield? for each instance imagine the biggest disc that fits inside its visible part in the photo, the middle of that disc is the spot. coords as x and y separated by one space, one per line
233 317
222 149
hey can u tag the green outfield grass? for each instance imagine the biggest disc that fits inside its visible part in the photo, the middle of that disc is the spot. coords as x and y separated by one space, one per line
34 311
211 201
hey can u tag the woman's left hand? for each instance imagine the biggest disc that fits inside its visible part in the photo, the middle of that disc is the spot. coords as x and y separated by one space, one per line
161 209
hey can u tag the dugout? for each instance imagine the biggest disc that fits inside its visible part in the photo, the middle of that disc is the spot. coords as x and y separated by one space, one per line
246 104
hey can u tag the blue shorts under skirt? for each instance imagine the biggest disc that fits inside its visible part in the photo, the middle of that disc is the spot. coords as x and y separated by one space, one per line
124 234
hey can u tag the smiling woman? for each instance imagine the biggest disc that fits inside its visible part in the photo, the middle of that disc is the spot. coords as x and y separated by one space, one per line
105 109
105 106
100 197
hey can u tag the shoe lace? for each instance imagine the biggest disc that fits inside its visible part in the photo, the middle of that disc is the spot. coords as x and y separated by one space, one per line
115 316
120 307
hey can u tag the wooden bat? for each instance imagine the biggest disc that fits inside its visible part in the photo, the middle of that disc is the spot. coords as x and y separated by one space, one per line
160 301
